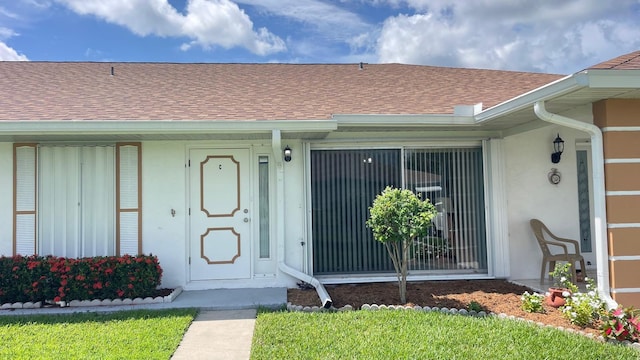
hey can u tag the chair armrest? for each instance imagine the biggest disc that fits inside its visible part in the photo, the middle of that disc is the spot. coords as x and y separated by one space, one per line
563 246
570 241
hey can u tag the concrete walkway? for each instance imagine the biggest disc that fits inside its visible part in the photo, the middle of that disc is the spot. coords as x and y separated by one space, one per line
224 334
222 330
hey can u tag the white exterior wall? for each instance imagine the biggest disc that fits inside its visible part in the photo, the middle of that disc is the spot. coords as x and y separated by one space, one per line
531 195
6 199
295 209
163 189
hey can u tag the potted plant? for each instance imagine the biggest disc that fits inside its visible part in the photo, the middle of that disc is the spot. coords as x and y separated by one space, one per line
563 287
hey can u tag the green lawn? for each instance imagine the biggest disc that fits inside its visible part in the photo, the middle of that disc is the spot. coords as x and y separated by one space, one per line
417 335
141 334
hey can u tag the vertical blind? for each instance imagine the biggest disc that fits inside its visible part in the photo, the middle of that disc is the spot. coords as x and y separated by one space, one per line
76 203
345 182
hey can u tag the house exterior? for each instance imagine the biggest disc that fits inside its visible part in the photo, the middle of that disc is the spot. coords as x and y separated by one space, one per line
261 175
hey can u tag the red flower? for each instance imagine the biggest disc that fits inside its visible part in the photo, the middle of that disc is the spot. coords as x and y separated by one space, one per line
35 284
63 282
32 265
56 299
108 271
97 285
130 286
120 293
80 278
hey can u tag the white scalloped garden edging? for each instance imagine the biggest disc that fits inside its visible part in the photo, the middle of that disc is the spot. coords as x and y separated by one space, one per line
453 311
106 302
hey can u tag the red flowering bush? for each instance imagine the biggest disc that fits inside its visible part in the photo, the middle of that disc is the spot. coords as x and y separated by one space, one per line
37 278
622 324
24 279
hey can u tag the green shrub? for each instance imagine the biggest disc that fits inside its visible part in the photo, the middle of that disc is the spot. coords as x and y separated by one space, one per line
38 278
584 309
398 218
475 306
532 302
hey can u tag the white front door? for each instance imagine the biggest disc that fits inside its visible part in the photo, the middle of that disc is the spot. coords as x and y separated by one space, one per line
219 223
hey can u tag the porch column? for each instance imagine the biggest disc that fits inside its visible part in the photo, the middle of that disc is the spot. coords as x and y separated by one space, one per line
619 120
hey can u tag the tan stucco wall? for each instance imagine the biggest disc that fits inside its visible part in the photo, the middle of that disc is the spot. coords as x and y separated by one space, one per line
619 120
617 144
624 242
616 112
627 298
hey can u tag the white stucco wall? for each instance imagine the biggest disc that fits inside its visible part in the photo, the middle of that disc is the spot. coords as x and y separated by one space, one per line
164 189
6 199
295 207
531 195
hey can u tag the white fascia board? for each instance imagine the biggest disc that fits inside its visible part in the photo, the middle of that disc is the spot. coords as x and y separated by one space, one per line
613 79
161 127
561 86
409 120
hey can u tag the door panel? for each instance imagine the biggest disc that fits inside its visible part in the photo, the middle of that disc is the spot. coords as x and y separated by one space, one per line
219 224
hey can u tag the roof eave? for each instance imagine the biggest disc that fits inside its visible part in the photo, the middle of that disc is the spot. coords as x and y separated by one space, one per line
561 86
591 79
402 120
150 127
602 78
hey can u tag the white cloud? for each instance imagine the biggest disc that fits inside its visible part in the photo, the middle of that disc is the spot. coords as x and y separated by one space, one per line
6 33
6 52
322 29
332 21
9 54
545 35
207 22
4 12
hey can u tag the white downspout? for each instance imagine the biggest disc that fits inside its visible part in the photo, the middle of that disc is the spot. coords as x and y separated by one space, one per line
599 205
280 225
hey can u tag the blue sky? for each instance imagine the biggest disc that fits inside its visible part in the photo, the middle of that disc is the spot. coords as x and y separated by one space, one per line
556 36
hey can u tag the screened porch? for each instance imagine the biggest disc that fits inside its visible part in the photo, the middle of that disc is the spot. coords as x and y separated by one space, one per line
345 182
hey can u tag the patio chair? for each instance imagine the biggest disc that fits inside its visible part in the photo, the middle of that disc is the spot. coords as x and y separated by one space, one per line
542 232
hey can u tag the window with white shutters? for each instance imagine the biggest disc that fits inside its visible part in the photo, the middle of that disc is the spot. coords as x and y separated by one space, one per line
77 200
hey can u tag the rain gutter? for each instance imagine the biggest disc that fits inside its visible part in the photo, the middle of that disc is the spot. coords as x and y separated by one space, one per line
600 210
276 145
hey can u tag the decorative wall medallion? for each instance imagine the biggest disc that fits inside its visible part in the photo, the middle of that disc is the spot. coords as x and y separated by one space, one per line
554 176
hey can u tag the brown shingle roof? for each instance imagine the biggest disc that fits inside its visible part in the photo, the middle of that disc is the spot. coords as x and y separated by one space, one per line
629 61
163 91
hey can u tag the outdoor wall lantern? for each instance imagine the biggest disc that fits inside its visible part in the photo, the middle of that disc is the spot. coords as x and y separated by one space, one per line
287 153
558 148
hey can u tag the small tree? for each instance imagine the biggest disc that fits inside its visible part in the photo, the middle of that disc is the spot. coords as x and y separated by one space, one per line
397 217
